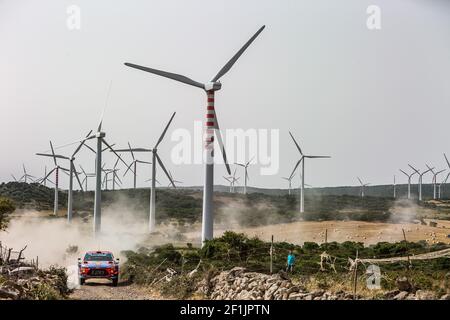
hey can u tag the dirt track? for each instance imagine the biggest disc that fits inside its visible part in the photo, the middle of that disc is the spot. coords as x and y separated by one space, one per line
103 290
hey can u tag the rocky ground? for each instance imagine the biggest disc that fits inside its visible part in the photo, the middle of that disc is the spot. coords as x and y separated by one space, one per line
238 284
103 290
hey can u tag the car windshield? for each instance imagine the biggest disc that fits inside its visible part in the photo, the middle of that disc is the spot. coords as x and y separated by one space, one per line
98 257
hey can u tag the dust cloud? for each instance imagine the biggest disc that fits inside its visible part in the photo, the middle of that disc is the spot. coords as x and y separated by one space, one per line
49 238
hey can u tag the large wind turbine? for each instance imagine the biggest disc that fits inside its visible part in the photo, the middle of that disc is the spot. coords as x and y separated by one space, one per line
363 185
155 158
72 171
100 137
134 164
211 127
302 173
409 181
420 178
434 180
246 177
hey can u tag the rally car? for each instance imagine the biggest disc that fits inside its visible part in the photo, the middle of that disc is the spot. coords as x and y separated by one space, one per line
98 265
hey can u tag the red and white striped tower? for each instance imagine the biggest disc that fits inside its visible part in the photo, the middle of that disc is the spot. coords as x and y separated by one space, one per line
55 207
208 187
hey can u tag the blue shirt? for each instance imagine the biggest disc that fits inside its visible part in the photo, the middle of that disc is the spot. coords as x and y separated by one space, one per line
290 259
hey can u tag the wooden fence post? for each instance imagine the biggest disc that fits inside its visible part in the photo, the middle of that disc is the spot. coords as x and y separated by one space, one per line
271 256
355 278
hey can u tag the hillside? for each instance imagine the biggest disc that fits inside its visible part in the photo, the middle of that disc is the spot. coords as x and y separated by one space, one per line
185 204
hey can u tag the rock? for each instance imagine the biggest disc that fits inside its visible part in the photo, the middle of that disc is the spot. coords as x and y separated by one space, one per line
7 293
317 293
308 297
401 296
296 296
391 294
403 284
425 295
445 297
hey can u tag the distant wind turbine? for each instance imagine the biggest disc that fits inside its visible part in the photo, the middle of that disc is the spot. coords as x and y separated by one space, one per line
434 180
363 185
409 181
246 176
420 178
302 173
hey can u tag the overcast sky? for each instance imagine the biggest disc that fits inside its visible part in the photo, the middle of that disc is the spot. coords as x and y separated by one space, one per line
375 100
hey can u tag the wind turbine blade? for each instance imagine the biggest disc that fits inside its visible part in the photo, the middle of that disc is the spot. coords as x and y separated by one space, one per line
221 146
132 154
112 145
78 179
110 148
360 181
296 144
404 173
53 152
239 164
173 76
318 157
84 172
417 171
128 168
249 161
295 168
164 169
53 156
115 164
232 61
164 132
117 177
85 145
134 150
14 177
145 162
448 163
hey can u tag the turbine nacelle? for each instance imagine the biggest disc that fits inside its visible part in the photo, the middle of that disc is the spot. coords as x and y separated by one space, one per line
214 86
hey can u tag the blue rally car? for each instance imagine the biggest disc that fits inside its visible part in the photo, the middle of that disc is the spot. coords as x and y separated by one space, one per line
98 265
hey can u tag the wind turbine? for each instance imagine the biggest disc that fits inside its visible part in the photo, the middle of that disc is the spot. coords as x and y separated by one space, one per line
72 171
86 176
56 170
302 173
155 158
100 137
232 180
134 164
363 185
420 178
26 175
434 181
440 185
211 127
246 177
409 181
289 180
